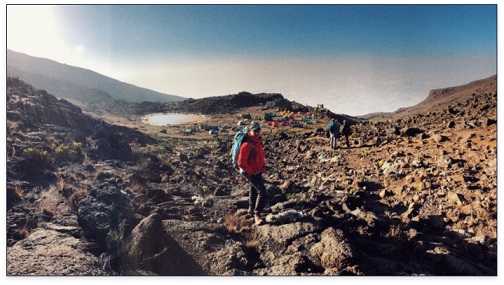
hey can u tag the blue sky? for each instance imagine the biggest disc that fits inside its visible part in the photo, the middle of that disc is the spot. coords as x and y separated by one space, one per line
355 59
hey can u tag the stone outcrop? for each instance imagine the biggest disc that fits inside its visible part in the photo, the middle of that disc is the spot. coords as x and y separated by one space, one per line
103 210
48 252
151 249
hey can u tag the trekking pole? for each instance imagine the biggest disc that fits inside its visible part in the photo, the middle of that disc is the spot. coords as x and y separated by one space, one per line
250 180
253 185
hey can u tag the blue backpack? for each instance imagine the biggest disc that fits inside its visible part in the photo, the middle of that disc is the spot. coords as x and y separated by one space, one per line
328 127
332 128
239 138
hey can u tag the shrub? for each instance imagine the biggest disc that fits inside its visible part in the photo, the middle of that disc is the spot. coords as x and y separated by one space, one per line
114 242
36 155
160 150
35 160
102 175
67 152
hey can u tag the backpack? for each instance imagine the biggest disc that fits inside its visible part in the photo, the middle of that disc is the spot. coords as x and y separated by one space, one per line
336 128
329 126
239 138
332 130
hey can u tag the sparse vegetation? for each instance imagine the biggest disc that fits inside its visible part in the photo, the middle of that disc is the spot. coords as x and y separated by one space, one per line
291 196
160 150
76 196
251 240
114 242
14 194
102 175
395 231
235 223
36 156
23 232
47 209
67 152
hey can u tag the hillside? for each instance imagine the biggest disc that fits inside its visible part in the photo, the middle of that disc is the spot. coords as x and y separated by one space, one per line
69 82
443 98
415 196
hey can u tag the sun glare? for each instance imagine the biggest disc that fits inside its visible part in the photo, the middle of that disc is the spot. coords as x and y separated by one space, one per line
30 29
34 30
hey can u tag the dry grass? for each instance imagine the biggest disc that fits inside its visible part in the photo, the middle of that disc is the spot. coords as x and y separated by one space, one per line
23 232
76 197
235 223
251 240
167 188
47 208
61 183
14 195
86 160
395 231
137 186
64 189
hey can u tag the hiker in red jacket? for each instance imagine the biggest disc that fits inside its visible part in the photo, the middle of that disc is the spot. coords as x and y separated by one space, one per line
251 160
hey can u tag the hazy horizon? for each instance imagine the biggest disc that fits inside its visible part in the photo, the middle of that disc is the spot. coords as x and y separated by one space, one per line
354 59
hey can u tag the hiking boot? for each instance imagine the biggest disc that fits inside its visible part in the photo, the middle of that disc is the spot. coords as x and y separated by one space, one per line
258 220
250 211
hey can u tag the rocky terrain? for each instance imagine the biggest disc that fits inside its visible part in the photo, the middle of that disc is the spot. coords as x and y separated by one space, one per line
414 194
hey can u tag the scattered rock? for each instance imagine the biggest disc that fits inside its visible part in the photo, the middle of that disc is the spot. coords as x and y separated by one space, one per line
417 183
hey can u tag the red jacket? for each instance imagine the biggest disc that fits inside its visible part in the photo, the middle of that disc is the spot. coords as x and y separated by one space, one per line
252 161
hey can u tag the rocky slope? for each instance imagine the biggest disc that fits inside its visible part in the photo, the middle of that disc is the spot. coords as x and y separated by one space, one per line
411 196
443 98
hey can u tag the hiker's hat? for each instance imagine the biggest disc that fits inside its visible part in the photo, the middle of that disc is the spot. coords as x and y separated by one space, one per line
255 126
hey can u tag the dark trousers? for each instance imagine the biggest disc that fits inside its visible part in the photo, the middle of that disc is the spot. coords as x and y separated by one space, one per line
257 194
346 140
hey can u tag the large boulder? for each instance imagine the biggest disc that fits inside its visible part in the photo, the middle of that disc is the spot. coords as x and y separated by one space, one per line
332 251
102 211
151 249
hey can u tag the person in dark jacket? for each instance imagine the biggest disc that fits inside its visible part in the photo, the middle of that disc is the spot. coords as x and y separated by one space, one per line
251 161
345 130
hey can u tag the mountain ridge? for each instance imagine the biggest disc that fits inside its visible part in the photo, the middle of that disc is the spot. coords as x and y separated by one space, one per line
91 90
44 73
442 97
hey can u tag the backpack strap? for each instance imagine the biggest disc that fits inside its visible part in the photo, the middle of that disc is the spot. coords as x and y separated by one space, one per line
252 148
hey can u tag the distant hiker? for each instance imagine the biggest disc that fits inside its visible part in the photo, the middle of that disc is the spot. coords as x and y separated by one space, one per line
345 130
333 133
251 161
